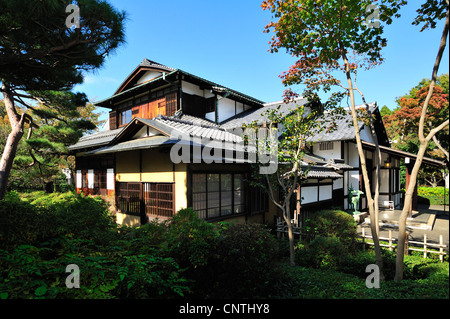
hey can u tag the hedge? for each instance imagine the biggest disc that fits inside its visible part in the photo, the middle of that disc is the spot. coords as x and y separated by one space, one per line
433 195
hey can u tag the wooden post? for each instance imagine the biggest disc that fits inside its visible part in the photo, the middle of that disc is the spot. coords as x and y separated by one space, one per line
425 246
441 249
364 238
390 240
406 244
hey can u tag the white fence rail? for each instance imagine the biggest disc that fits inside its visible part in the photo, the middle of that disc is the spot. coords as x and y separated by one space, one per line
411 245
441 249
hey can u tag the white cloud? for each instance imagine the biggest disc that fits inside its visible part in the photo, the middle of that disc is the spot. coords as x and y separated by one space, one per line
90 80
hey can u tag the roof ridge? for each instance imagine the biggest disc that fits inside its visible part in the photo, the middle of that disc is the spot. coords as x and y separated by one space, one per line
146 62
170 118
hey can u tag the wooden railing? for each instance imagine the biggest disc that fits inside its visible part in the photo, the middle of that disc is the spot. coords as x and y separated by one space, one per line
411 245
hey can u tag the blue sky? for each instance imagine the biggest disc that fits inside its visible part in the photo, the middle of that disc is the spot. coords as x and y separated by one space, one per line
223 41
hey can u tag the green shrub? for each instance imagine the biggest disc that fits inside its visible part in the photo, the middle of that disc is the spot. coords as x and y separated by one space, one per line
356 263
246 256
70 213
332 223
30 272
322 252
39 217
190 239
433 195
43 233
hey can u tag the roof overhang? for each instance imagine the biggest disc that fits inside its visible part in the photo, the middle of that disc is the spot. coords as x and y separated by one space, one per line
403 154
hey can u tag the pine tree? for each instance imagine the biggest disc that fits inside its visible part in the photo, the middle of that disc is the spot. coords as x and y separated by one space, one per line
42 58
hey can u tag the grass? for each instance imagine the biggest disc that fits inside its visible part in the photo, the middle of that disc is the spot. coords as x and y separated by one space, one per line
309 283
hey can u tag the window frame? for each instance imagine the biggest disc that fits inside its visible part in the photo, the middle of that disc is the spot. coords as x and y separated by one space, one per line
204 202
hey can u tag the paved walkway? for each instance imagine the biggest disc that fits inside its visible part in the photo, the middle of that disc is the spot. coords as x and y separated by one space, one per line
430 220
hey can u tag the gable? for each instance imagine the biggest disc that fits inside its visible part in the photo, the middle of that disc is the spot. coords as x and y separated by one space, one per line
146 71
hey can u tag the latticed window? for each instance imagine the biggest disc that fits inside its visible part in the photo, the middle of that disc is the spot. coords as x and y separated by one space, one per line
325 146
153 199
218 194
159 199
129 198
171 104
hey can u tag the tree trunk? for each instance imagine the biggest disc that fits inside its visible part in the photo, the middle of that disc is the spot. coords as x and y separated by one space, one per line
420 154
404 215
17 131
370 202
287 218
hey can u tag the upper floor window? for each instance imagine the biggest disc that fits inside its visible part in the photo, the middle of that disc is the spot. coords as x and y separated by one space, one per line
125 117
325 146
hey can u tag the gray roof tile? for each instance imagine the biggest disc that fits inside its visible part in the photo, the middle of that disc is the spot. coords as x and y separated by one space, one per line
344 129
258 115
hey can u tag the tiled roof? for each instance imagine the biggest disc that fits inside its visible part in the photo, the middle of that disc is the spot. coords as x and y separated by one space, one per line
150 63
258 114
199 130
322 173
140 143
196 120
344 129
198 127
96 139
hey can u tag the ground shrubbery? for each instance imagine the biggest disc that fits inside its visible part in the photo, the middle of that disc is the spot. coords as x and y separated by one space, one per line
43 234
40 234
433 195
330 236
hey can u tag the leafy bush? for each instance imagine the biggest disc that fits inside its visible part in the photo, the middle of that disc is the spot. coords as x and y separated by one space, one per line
356 263
40 217
332 223
308 283
105 272
322 252
42 234
190 239
246 256
433 195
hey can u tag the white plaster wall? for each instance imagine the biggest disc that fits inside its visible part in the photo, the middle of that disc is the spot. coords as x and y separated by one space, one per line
190 88
239 107
353 179
327 154
384 180
110 179
325 192
90 178
148 76
353 157
78 179
143 133
338 183
309 194
211 116
226 109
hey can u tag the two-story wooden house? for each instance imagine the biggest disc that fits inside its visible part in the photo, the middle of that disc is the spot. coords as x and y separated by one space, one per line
131 160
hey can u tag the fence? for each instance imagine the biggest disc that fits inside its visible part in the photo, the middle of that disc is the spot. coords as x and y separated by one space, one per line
411 245
281 230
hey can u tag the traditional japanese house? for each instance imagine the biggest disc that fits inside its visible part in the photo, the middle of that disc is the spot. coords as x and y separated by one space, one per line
131 160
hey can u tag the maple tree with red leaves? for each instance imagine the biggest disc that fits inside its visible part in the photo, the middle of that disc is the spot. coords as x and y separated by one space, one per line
401 125
322 35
